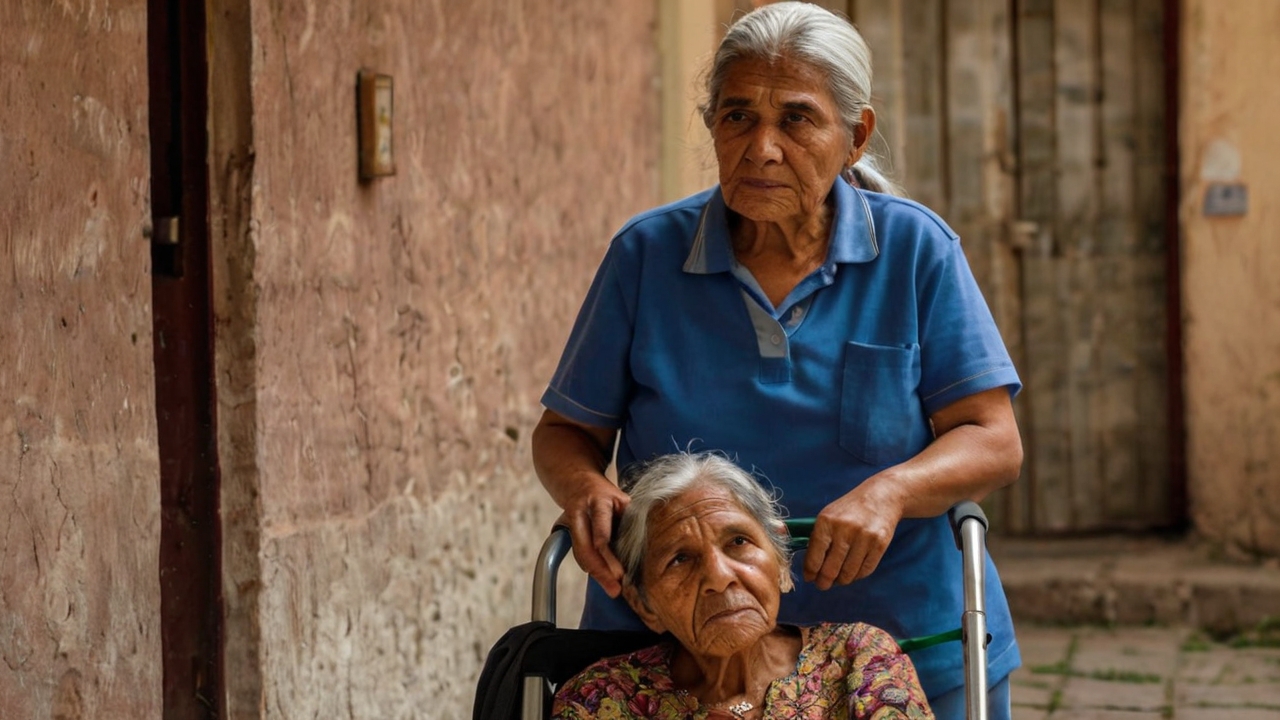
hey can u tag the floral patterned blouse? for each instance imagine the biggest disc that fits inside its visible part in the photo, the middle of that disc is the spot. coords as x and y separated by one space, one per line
844 671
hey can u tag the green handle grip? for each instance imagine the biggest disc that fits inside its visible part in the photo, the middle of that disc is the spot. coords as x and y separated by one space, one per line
799 529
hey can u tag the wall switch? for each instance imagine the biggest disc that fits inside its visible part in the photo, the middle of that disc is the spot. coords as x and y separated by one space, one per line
375 103
1226 199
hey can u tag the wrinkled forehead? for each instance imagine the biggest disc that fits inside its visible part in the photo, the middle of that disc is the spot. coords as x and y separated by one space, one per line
753 76
707 505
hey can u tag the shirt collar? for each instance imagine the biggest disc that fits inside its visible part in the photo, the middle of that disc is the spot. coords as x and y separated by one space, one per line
853 233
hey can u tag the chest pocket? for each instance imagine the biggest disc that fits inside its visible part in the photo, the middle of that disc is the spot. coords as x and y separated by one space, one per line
882 422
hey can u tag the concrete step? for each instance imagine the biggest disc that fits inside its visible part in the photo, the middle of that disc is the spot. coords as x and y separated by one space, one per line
1127 580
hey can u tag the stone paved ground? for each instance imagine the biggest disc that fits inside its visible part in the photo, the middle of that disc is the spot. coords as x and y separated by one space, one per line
1130 673
1141 629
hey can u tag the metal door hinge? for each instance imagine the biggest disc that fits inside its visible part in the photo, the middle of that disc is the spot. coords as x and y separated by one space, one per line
165 232
166 246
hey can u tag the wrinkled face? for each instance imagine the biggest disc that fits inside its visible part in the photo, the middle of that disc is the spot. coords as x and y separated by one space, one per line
779 140
710 574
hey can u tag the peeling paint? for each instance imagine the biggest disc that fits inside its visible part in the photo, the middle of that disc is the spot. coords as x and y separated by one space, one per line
1221 162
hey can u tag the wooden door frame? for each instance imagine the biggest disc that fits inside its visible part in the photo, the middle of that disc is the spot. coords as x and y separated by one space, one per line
1179 506
190 568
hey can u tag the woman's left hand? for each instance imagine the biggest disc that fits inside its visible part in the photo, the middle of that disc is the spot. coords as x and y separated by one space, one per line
850 536
976 449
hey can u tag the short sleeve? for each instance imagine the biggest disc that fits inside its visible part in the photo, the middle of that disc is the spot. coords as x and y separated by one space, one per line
882 680
961 351
593 383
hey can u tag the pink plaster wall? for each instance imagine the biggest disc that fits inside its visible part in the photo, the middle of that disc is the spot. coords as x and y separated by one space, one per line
401 332
79 523
1230 99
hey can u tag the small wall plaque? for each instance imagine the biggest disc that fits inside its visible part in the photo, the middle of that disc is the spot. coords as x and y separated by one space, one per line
1226 199
374 101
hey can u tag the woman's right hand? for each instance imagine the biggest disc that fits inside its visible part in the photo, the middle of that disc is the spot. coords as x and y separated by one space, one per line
570 458
590 516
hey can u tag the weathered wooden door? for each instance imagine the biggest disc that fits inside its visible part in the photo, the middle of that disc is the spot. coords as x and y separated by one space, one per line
1038 129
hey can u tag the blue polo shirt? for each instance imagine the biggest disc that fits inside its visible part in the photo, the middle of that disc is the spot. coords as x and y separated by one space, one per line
678 348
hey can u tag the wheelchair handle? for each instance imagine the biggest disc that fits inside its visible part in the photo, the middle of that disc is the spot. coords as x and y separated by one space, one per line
801 528
962 511
554 550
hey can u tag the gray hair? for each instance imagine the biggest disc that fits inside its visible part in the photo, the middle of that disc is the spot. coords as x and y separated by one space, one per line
817 37
665 478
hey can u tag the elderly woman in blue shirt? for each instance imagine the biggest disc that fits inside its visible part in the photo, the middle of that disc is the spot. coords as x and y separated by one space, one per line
805 319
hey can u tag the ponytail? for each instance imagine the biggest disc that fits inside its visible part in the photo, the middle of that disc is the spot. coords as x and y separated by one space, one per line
867 175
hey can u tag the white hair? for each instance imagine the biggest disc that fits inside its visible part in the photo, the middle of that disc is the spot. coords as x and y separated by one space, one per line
821 39
667 477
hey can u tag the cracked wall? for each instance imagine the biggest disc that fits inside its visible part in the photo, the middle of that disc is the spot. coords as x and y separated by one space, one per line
403 330
79 522
1231 300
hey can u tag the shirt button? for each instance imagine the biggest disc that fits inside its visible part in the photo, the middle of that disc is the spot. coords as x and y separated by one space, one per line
776 339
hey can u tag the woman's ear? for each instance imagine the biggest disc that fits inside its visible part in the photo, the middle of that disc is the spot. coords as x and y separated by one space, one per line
637 603
862 136
785 582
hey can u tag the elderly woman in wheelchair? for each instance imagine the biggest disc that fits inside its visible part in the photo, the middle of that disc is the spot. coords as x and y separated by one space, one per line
706 560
